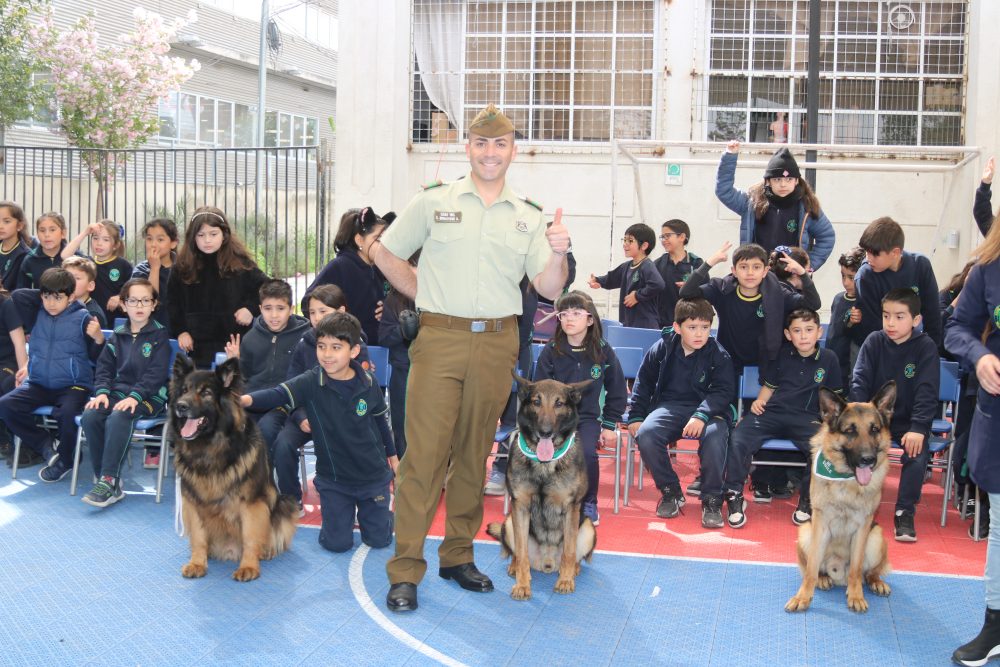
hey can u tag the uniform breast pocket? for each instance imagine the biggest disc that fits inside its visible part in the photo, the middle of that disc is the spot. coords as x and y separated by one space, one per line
518 242
444 232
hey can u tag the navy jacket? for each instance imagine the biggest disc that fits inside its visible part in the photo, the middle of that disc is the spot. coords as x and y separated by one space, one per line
363 286
916 273
351 434
136 366
265 355
673 273
304 359
568 365
34 264
779 300
838 336
916 368
796 379
10 265
389 334
713 384
161 314
977 309
8 359
647 284
62 355
111 275
982 209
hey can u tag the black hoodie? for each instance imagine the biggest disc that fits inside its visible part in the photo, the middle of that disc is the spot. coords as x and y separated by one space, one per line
265 354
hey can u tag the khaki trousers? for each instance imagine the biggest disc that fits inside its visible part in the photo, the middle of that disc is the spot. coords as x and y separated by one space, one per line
458 385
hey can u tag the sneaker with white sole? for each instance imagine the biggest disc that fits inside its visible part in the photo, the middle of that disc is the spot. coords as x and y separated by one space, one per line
736 509
103 494
761 492
497 484
903 522
803 512
54 471
671 501
711 512
694 488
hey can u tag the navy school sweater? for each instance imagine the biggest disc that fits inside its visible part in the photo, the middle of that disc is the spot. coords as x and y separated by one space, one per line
304 359
161 314
34 264
567 364
673 273
796 379
265 355
363 286
136 365
915 272
713 383
10 265
351 433
838 336
111 275
647 284
916 368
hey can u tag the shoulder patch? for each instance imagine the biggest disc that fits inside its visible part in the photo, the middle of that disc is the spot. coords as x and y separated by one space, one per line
433 184
530 202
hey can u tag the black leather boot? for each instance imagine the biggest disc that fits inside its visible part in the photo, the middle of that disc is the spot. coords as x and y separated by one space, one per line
984 646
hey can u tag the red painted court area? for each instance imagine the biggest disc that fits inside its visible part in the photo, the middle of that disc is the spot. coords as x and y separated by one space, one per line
768 536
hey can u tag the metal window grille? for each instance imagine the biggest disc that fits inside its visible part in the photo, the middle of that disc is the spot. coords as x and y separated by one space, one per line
891 73
563 71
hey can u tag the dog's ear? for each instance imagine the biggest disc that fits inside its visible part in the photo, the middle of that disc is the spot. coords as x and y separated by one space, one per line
229 374
830 405
182 366
885 400
576 391
524 386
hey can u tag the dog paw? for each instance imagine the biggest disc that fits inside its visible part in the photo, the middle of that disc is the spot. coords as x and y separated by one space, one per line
857 603
520 592
824 583
511 570
798 603
246 573
194 570
564 586
879 587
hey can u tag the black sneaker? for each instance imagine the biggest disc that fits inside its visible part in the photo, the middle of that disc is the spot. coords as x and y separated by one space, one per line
905 532
761 492
803 512
54 471
694 488
984 525
670 502
711 512
780 491
736 508
103 494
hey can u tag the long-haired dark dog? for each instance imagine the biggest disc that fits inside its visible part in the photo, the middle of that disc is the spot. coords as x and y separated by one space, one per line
231 507
842 544
547 480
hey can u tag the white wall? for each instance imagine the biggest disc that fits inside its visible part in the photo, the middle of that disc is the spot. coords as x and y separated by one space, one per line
377 166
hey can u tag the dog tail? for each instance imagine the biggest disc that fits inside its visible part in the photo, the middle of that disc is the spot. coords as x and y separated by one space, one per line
284 520
495 530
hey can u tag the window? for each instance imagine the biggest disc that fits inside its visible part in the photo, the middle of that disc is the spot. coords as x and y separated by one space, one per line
189 119
891 73
571 70
41 116
305 20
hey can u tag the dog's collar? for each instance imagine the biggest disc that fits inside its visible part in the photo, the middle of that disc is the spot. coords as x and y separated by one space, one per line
823 468
558 454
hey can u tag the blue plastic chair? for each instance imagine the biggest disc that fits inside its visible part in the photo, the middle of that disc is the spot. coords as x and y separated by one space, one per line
749 389
632 337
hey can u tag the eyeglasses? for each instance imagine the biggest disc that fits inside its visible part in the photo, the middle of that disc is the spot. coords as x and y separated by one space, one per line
667 235
139 302
572 314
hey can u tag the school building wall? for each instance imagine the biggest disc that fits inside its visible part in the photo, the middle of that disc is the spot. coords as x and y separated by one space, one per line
378 166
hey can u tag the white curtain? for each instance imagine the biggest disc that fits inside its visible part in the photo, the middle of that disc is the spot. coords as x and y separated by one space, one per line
438 41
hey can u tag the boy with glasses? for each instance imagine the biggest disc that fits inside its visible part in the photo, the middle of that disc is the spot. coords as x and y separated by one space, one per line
675 265
639 282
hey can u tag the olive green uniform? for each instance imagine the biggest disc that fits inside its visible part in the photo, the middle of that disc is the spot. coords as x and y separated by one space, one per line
472 260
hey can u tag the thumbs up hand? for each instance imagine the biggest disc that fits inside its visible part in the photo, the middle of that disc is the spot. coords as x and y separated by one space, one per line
557 235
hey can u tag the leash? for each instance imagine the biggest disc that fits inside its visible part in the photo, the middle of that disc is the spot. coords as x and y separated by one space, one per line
558 454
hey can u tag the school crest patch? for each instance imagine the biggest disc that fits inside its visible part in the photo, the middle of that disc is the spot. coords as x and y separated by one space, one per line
916 290
595 371
147 349
909 371
820 374
635 277
114 275
701 379
996 317
760 311
361 408
162 393
792 225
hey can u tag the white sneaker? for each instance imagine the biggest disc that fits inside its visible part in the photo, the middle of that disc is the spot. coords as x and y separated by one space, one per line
497 484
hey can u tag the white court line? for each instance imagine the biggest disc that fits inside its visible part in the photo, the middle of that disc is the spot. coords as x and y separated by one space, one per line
356 577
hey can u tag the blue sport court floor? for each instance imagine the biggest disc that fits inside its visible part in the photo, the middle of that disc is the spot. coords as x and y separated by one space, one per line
82 586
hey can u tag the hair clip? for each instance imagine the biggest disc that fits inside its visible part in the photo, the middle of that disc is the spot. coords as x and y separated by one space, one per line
121 231
783 248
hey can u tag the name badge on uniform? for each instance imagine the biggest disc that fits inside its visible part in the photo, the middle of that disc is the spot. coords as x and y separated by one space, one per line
521 226
447 216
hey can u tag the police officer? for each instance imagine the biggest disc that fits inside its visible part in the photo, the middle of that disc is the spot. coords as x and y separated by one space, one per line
478 240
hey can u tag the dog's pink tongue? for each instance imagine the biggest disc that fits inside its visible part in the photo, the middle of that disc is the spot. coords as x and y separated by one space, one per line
863 475
190 428
545 449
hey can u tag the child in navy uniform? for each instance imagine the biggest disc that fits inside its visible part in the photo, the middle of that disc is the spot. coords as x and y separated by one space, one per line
65 342
685 388
786 408
131 380
844 314
355 455
85 272
50 228
160 236
577 353
675 265
638 280
14 242
111 269
899 353
396 331
888 266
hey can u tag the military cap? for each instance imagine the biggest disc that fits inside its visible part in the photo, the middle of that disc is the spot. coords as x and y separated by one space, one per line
491 123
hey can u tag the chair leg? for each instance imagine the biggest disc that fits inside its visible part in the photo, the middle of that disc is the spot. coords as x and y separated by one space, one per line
947 485
17 456
303 471
628 467
76 461
161 469
976 537
618 472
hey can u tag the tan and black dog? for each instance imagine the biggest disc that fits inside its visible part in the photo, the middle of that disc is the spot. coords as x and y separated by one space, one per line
842 544
231 507
547 480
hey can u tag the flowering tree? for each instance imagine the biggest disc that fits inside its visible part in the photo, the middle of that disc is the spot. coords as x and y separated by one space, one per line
107 95
15 62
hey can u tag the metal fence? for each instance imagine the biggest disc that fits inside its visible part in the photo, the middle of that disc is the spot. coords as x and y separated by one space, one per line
278 200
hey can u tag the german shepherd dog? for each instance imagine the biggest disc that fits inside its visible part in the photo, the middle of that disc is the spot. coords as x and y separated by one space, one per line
547 480
842 544
230 504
